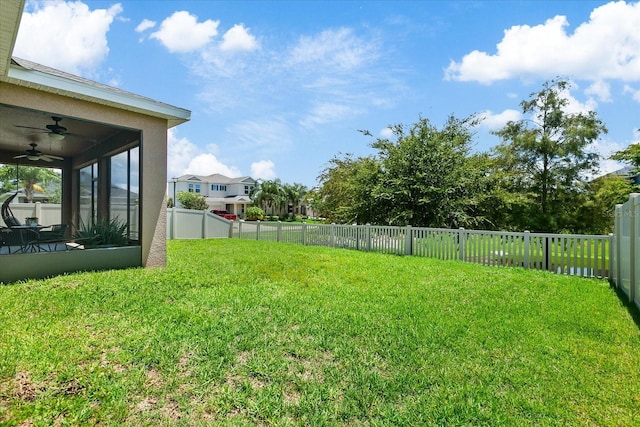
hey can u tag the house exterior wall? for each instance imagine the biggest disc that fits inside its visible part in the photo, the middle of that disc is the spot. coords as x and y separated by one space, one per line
153 155
233 188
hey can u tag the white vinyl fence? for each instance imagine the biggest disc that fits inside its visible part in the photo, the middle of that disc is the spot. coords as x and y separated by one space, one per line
47 214
192 224
572 254
626 249
51 213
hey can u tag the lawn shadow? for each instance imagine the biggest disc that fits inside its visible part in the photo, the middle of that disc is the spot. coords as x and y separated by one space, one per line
630 306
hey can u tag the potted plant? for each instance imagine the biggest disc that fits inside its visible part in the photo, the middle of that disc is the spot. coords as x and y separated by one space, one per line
31 221
104 233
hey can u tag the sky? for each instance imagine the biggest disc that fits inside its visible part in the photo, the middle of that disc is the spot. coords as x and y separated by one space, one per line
276 89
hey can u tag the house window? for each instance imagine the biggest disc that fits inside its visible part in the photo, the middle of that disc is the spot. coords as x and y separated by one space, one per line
223 188
88 194
247 189
197 188
214 187
190 188
124 191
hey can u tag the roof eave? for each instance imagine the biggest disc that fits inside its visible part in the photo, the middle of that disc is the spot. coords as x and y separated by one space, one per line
79 90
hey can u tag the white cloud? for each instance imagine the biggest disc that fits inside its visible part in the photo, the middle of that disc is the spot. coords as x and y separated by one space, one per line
263 169
261 137
181 32
238 39
498 121
605 47
386 133
574 106
184 157
600 89
207 164
145 25
65 35
336 49
180 152
606 148
327 112
635 93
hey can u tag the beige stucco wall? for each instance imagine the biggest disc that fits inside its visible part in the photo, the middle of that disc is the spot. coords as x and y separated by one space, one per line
153 155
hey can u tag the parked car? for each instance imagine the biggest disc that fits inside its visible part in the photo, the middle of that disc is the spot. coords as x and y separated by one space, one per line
225 214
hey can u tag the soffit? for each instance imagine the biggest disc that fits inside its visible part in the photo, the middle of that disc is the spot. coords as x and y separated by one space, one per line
10 15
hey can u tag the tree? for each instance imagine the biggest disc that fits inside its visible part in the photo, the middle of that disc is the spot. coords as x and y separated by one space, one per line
428 176
268 194
596 215
630 155
192 200
547 157
30 178
294 193
344 195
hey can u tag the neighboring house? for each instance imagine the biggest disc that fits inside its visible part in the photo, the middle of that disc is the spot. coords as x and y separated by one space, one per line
112 139
220 192
628 172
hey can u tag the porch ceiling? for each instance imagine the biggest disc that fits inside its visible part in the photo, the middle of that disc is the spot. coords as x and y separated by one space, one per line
15 140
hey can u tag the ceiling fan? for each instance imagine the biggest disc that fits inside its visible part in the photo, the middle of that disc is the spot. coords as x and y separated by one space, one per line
34 155
55 131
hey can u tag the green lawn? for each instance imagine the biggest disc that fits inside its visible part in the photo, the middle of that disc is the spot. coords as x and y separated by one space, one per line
240 332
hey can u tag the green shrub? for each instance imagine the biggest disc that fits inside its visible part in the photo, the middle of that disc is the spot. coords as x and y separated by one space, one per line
194 201
254 213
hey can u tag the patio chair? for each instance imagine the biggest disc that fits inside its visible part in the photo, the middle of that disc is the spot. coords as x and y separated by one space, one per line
7 215
19 240
49 240
31 238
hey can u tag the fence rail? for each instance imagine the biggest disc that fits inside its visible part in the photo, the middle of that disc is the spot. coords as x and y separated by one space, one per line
571 254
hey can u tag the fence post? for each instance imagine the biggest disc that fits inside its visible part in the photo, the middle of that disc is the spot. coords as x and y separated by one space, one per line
231 229
611 255
204 224
258 230
240 228
170 221
357 236
462 237
38 210
279 231
408 241
634 199
368 236
304 233
174 220
332 239
617 229
527 237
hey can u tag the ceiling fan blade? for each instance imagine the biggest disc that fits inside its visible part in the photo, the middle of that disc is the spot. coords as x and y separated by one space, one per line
21 156
50 156
30 127
45 158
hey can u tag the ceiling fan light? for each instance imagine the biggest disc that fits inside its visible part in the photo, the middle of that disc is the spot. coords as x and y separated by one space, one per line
56 136
32 157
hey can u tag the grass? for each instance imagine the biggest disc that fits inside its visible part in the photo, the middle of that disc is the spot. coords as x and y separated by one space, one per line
237 332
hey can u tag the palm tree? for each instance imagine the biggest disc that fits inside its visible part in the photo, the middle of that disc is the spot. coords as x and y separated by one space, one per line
268 194
33 179
295 193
